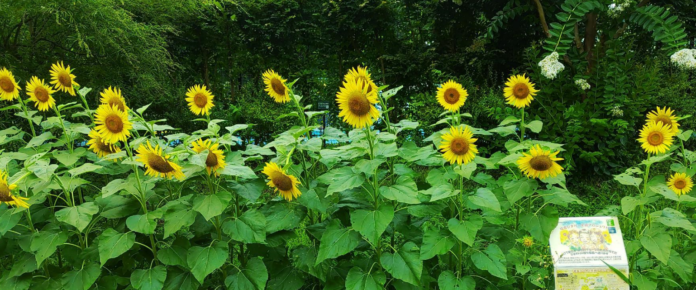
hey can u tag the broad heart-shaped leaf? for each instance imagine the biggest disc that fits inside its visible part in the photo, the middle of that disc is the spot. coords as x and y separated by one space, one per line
212 205
405 264
466 230
81 279
560 196
178 215
627 179
440 191
485 198
204 261
45 243
359 280
672 218
336 241
683 268
25 263
642 282
283 216
84 168
540 224
404 190
78 216
150 279
535 126
250 227
341 179
9 218
658 242
436 242
629 203
144 224
113 244
17 283
252 277
372 223
180 280
176 254
491 260
519 188
448 281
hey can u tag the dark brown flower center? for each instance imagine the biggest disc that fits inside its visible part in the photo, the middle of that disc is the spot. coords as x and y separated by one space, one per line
278 87
41 94
359 105
104 147
211 160
6 84
680 184
521 91
5 193
282 181
666 120
200 100
655 138
541 163
118 103
159 164
459 146
64 79
114 124
451 96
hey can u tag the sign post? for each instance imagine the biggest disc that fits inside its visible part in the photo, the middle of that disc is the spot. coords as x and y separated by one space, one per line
580 246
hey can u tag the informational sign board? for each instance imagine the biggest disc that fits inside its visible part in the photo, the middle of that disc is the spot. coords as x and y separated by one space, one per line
580 246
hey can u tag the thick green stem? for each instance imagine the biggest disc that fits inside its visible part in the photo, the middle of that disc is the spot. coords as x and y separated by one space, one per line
62 125
26 113
522 125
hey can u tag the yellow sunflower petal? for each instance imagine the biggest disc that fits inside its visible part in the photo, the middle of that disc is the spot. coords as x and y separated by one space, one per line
356 105
539 163
62 78
680 183
656 137
157 164
112 124
665 116
458 146
41 94
215 160
98 146
451 95
6 195
9 89
519 91
112 97
275 87
284 184
200 100
361 76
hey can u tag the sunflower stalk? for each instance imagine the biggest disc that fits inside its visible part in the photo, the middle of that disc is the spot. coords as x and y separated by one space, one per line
26 113
69 142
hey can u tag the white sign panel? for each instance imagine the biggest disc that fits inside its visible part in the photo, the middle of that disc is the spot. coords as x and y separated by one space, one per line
580 246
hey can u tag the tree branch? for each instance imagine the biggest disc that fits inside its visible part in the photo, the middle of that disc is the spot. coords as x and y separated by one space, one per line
542 18
578 42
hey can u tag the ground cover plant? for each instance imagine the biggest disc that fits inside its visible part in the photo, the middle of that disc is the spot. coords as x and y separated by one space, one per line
137 209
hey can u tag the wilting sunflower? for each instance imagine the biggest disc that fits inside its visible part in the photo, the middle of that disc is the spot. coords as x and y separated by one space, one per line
451 95
62 78
200 99
112 124
215 159
361 75
284 183
680 183
275 87
158 164
519 91
527 241
357 105
40 94
458 146
540 163
98 146
9 90
666 116
6 195
113 98
656 137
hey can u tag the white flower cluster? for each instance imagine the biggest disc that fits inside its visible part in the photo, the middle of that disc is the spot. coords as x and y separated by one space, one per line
685 58
582 83
617 111
615 9
550 66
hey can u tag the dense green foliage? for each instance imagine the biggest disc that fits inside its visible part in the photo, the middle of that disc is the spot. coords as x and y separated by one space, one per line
381 209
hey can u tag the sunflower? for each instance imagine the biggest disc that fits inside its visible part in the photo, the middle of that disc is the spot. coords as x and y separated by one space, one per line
451 95
275 87
680 183
519 91
113 98
62 78
527 241
215 159
357 105
666 116
656 137
200 100
540 163
6 195
9 90
360 74
112 124
458 146
285 183
100 147
158 164
40 94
